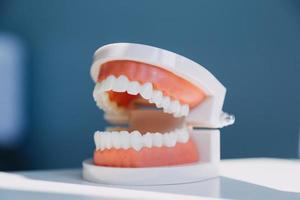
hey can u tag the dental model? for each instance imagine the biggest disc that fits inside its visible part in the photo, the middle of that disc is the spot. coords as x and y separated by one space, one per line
167 110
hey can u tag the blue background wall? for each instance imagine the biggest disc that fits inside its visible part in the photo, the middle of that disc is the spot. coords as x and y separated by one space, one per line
252 47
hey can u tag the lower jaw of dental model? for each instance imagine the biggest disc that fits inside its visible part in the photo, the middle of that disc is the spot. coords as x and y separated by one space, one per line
153 103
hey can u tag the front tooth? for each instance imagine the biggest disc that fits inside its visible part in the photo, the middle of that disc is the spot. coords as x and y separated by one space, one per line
147 140
133 88
156 97
157 140
175 107
121 84
184 110
107 139
136 140
146 91
182 135
108 83
102 141
97 139
115 139
169 139
97 90
125 139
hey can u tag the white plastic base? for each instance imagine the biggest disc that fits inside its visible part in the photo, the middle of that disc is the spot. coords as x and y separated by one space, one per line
208 142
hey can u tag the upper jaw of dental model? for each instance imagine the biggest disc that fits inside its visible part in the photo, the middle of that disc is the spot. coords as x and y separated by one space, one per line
146 90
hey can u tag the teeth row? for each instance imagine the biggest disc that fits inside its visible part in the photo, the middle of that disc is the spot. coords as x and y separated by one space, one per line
108 106
122 84
135 140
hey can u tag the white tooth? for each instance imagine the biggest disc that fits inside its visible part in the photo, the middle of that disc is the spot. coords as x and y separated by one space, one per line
157 140
97 140
175 107
174 135
106 103
104 97
168 109
125 139
97 90
136 140
99 104
102 138
184 110
102 100
147 140
169 139
120 84
182 135
177 114
165 103
108 83
146 91
133 88
107 139
156 96
115 139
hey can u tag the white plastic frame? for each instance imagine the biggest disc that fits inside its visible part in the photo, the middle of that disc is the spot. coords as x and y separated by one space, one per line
208 114
208 143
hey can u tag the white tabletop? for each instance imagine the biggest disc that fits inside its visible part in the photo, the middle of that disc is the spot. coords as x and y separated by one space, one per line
280 174
259 178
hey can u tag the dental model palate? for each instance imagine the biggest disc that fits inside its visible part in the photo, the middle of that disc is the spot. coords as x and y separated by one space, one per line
155 99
